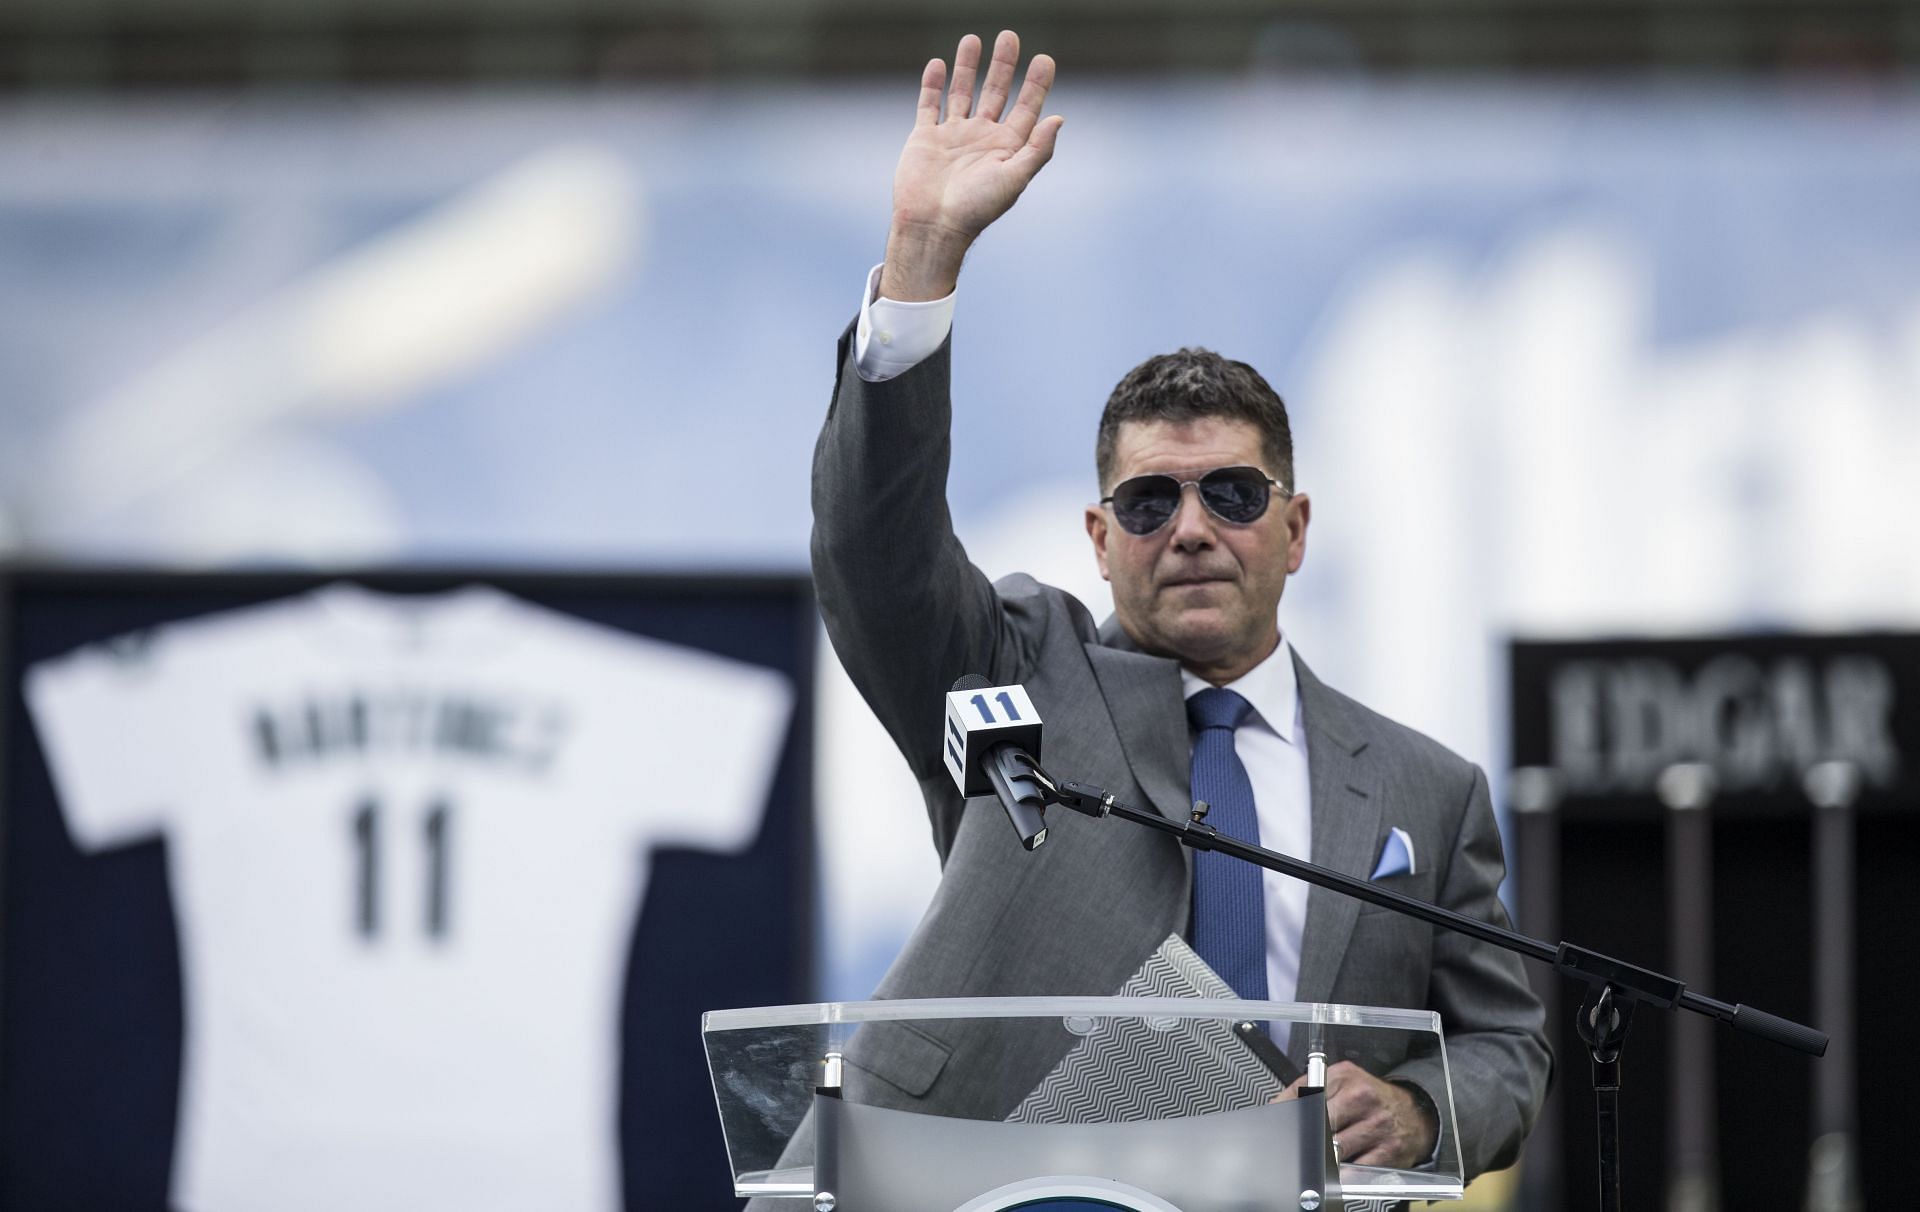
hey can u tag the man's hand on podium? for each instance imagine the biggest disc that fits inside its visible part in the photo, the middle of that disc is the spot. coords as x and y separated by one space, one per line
1375 1122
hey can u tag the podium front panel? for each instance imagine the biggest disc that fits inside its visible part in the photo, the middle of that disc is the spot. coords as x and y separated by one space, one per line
1100 1087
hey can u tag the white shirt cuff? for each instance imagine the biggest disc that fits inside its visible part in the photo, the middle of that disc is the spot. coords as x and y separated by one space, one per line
894 337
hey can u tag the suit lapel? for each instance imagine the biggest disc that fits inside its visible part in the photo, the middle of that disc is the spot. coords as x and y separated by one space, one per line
1346 820
1144 697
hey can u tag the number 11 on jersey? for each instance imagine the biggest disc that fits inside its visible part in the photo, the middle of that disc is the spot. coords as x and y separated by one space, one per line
436 827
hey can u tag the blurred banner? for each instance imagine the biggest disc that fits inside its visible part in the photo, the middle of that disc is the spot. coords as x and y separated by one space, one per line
1573 359
1760 711
1768 783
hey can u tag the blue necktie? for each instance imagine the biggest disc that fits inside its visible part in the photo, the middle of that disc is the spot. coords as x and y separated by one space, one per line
1229 904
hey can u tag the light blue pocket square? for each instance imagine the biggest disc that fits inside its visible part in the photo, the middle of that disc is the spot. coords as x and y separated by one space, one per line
1396 857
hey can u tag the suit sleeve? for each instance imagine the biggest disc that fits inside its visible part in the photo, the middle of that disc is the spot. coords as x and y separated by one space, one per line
1497 1051
906 611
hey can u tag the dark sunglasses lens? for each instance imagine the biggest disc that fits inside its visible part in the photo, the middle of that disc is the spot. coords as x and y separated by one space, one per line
1143 504
1237 494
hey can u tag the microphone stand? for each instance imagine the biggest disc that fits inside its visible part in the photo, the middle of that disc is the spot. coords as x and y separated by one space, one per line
1614 987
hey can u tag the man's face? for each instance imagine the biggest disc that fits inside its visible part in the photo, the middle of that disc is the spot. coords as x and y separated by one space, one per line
1201 589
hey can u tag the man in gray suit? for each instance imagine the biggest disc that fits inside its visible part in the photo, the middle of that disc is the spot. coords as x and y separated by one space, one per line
1197 531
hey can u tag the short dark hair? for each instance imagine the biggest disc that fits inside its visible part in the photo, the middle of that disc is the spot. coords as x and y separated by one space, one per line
1189 385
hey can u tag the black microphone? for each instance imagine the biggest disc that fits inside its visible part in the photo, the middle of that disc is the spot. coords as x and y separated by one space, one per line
992 744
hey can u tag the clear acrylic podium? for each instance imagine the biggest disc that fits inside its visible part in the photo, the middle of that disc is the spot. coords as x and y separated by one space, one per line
1145 1104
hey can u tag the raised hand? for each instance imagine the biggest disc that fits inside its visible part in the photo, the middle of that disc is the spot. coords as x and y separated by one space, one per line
958 174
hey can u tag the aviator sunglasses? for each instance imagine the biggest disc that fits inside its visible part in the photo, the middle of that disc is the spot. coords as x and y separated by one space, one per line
1144 504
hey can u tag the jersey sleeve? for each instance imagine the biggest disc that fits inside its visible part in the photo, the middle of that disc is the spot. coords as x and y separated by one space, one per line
110 724
721 725
680 744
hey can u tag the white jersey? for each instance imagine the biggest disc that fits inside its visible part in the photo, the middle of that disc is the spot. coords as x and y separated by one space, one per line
407 839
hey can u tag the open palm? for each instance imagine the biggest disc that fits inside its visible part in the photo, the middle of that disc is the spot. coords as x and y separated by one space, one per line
963 173
958 174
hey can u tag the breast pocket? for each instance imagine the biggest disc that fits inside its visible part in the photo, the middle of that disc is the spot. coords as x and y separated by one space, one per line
1418 885
1389 955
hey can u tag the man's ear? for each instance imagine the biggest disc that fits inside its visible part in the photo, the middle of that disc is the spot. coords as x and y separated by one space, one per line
1299 513
1097 531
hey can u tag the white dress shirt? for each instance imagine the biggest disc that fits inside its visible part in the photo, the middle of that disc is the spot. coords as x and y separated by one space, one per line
893 337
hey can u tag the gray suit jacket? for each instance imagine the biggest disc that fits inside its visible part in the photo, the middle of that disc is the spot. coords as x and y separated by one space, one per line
908 614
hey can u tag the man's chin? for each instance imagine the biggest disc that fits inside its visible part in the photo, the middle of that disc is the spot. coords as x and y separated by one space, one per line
1200 637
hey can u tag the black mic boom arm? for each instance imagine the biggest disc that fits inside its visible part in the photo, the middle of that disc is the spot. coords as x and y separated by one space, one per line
1629 981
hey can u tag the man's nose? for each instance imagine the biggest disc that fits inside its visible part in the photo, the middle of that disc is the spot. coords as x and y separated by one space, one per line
1192 524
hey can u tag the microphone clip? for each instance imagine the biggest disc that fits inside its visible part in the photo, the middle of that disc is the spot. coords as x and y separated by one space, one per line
1083 798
